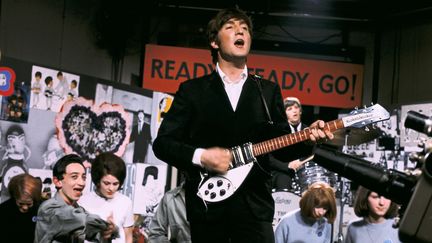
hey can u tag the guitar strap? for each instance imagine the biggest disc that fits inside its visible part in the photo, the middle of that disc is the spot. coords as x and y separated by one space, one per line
258 79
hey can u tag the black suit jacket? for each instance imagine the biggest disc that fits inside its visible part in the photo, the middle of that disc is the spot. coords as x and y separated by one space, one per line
201 116
142 141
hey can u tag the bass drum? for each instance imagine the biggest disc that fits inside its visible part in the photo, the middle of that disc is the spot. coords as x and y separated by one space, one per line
285 202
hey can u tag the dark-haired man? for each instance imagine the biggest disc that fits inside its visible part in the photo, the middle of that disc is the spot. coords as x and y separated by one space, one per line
218 111
61 219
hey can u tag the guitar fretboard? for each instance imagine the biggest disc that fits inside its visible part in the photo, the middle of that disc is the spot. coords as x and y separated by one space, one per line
293 138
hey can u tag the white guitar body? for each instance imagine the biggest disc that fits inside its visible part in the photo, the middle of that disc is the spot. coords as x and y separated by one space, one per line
221 187
217 188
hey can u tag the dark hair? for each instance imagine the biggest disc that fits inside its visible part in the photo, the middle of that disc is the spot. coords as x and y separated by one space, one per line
25 185
14 129
319 194
290 102
60 166
361 204
151 170
219 20
38 74
48 80
108 164
74 82
59 74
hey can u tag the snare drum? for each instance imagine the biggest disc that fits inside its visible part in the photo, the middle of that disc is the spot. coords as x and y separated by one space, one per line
284 202
310 173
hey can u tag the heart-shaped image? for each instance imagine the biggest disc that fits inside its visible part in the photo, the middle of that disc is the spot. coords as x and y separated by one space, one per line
86 129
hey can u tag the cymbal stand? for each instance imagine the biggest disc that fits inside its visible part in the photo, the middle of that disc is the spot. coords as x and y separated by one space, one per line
343 198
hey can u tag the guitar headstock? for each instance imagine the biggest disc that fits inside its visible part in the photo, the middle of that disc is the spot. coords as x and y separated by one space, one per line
368 115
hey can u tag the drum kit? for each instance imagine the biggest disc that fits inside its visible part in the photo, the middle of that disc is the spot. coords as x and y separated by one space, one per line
311 172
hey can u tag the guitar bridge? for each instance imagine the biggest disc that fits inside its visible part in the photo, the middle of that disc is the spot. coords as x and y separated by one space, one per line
242 155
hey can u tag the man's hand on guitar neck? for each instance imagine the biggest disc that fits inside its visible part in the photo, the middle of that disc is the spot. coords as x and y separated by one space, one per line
216 159
318 133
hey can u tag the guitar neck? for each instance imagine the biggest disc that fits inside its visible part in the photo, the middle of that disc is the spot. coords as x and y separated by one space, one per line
293 138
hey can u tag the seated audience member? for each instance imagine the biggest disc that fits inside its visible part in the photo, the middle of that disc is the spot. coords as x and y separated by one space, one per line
312 222
108 173
169 224
61 219
19 212
376 223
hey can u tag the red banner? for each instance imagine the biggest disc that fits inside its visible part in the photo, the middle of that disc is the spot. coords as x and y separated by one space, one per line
318 83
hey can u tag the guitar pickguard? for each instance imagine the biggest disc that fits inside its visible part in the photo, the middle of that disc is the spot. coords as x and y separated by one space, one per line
221 187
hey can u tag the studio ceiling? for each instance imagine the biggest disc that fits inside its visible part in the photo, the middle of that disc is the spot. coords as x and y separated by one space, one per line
362 13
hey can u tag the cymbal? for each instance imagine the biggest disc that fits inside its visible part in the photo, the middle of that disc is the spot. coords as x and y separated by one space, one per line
354 136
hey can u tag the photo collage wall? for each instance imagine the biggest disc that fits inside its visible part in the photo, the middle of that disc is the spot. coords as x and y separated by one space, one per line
53 112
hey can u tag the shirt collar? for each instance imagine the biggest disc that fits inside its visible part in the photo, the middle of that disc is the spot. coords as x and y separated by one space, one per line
225 78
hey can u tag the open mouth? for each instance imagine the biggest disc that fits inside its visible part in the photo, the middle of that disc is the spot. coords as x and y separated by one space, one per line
239 43
78 190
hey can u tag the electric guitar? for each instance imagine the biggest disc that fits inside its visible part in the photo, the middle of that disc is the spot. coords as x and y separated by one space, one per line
216 188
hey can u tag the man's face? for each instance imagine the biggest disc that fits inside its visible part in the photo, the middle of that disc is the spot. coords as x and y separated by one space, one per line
72 184
293 114
140 117
233 40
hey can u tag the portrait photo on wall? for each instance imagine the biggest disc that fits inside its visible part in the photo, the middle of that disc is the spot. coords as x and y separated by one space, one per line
161 103
50 88
18 152
16 106
104 94
149 188
150 181
139 107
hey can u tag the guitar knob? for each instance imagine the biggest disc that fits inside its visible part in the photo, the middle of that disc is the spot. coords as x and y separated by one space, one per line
212 195
210 186
219 183
222 192
206 192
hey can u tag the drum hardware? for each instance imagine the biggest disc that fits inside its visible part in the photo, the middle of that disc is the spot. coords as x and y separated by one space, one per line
343 190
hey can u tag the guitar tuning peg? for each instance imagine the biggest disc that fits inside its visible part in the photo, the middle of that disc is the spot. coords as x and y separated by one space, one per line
356 108
364 106
367 129
372 103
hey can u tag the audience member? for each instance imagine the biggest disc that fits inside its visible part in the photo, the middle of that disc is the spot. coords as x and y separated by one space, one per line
108 173
312 222
20 211
376 223
169 224
61 219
